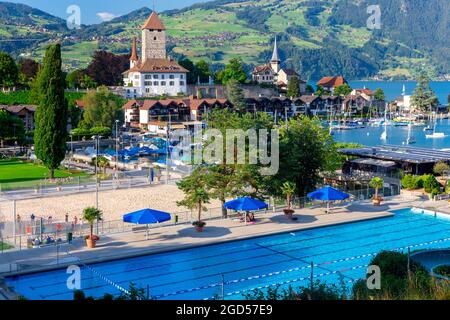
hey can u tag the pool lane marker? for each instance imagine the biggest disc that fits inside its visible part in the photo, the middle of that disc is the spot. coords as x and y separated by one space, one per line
296 269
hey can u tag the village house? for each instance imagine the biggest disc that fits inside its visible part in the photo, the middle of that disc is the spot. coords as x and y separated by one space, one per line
330 83
154 73
24 112
273 74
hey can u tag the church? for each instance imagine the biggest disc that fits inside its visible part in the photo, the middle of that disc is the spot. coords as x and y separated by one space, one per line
273 74
154 73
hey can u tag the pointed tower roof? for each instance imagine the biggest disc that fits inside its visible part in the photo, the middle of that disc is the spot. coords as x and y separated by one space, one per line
153 22
134 56
275 56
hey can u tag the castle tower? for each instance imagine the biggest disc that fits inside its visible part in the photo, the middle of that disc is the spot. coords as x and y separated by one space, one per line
134 57
153 39
275 61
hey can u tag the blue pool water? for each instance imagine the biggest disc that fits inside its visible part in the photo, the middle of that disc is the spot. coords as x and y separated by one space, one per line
340 255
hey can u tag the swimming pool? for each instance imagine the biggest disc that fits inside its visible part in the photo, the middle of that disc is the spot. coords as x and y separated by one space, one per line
340 254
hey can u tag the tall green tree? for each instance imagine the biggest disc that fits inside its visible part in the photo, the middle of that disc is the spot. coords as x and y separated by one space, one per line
202 71
321 91
51 115
9 72
293 90
236 95
189 65
305 151
234 70
424 98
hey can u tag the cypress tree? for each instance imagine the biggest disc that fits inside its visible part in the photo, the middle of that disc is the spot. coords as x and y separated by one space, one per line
51 115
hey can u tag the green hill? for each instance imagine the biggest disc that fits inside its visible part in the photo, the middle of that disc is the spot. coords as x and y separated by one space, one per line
316 37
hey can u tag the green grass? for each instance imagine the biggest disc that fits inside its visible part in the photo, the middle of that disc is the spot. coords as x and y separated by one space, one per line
24 97
16 171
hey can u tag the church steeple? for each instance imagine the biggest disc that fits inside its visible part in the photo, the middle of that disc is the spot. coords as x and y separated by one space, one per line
134 57
275 61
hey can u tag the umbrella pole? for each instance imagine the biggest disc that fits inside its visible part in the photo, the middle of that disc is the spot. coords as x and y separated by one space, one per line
328 207
246 217
147 233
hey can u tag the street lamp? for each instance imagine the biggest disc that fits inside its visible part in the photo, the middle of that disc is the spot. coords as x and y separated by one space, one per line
71 150
97 145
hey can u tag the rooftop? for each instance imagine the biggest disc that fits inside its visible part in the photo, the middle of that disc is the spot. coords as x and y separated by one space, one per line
399 154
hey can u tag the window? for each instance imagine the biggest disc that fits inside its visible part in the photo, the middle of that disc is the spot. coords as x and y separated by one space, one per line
163 76
154 38
147 76
171 76
181 83
135 90
148 83
182 76
136 76
163 83
156 83
172 83
155 76
147 90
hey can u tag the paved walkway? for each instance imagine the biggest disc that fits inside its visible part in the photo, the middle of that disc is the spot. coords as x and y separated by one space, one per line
184 236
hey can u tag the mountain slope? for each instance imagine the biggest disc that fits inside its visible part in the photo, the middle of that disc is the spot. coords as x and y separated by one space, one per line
316 37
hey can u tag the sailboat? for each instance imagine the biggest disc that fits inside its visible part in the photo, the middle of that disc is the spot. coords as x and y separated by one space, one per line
410 139
331 121
435 135
384 134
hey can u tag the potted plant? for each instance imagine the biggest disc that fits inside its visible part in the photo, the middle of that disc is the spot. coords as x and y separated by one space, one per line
376 183
195 194
199 225
288 189
91 215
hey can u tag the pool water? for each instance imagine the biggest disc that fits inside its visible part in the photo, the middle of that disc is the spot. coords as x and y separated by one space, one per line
340 255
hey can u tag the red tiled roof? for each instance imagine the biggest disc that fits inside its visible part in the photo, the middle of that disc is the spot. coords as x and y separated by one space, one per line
131 103
153 23
158 65
365 91
331 82
261 68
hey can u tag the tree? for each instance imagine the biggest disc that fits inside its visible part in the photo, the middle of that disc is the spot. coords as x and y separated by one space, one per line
321 91
293 89
236 95
90 215
234 70
309 89
9 73
379 95
106 68
441 168
195 193
102 163
202 71
28 70
87 82
342 90
424 98
288 190
305 150
11 127
74 79
51 115
101 108
376 183
189 65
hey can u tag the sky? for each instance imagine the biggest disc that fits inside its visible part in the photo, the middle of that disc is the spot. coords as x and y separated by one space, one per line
96 11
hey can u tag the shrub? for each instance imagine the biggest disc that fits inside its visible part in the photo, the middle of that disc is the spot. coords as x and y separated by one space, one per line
409 182
441 168
430 183
443 270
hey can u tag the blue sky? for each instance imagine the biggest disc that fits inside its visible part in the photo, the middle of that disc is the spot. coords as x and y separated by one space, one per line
92 9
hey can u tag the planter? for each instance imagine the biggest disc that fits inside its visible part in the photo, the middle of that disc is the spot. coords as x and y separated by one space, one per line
90 243
377 201
199 229
289 213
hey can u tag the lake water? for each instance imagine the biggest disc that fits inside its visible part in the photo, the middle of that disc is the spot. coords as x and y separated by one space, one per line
393 89
370 136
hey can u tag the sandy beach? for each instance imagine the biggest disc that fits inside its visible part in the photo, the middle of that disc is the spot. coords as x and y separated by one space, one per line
114 203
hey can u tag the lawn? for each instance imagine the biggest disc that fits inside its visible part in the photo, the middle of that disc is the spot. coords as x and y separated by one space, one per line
5 246
15 171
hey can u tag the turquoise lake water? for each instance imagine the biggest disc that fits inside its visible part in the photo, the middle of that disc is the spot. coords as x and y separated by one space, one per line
393 89
370 136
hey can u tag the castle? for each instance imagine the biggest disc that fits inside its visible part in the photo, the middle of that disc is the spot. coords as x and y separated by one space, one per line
154 73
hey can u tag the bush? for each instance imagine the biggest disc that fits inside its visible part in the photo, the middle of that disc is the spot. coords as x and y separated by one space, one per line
430 183
443 270
394 276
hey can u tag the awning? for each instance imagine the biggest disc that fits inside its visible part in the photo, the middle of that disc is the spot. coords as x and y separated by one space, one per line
375 162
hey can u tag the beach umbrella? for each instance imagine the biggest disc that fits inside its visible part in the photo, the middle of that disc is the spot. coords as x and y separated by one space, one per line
328 194
245 204
146 216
